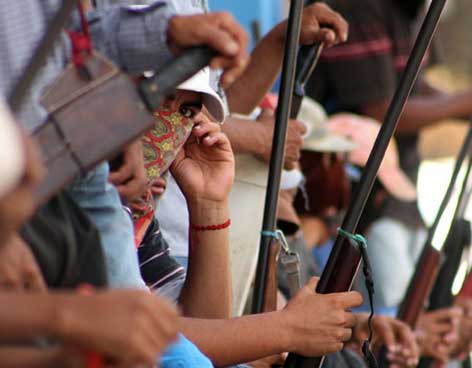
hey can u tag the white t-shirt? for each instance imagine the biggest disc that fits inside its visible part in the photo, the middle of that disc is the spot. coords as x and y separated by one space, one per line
12 156
172 213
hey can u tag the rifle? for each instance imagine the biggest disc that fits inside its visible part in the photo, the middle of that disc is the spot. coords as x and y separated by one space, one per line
430 260
269 246
346 255
458 239
69 150
72 140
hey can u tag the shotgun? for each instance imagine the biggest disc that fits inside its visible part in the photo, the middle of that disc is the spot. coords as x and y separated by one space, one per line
345 258
283 113
430 260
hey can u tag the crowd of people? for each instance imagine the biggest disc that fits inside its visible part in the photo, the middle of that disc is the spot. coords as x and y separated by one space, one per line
129 264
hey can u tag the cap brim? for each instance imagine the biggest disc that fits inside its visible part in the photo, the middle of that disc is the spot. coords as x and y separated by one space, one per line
397 184
329 143
211 100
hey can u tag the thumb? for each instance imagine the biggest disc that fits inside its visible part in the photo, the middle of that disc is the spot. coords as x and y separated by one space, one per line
312 283
265 114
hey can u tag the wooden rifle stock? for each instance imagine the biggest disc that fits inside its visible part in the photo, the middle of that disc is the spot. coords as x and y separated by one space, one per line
270 292
77 137
420 286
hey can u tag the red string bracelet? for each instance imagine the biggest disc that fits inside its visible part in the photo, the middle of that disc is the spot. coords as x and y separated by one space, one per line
222 226
92 358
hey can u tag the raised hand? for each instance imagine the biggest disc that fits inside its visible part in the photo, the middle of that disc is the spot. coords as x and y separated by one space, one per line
130 178
204 168
320 24
18 268
219 31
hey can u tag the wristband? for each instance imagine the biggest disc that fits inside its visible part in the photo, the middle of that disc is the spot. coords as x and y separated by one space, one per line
92 358
222 226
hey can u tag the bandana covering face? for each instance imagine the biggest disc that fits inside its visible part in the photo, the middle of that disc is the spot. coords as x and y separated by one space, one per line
160 145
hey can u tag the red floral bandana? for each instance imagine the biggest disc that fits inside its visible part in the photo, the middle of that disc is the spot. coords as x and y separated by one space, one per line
160 145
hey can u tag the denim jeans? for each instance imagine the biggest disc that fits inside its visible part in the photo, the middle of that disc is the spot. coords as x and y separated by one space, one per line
101 202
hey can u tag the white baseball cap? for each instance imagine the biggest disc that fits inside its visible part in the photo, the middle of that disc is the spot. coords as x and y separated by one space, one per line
12 155
200 82
318 137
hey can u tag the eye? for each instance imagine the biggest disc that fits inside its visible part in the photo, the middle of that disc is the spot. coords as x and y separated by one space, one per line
187 112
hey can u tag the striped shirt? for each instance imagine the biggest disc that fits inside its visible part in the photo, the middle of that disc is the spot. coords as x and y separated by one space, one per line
365 70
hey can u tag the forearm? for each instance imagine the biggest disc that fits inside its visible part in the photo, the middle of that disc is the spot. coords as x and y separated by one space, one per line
422 111
135 40
245 135
29 357
238 340
246 93
207 290
27 316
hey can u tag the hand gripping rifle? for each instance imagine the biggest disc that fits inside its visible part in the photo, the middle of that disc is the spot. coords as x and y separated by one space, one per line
430 259
71 140
346 255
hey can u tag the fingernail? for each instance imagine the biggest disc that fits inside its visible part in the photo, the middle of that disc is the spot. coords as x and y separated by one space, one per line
197 127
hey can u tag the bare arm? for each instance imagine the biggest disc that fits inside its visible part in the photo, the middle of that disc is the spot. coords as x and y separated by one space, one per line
207 290
30 357
421 111
250 88
266 59
255 137
241 142
204 170
238 340
310 324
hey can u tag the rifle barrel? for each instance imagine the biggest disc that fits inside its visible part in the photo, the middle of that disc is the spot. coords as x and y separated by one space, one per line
278 150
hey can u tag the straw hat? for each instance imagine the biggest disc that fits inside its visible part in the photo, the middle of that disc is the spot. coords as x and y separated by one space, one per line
363 131
319 138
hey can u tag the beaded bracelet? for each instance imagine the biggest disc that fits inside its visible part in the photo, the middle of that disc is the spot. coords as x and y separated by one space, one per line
222 226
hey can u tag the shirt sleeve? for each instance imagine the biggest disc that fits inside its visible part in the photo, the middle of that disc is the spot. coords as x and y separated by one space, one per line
133 36
362 70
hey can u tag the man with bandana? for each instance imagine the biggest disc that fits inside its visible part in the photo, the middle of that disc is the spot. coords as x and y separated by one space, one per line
360 76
